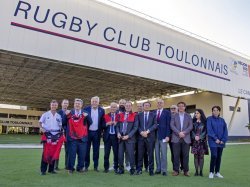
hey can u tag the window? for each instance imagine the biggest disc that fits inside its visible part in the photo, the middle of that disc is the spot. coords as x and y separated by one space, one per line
34 117
2 115
231 108
17 116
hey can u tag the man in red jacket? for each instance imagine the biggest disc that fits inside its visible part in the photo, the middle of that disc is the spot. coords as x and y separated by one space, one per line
110 138
126 129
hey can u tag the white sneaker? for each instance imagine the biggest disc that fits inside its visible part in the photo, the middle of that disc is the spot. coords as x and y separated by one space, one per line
111 168
211 175
128 168
219 175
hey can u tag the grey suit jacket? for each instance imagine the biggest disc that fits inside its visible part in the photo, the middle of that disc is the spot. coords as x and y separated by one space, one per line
176 127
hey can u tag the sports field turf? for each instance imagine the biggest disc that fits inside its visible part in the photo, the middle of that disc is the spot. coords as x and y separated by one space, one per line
20 167
19 139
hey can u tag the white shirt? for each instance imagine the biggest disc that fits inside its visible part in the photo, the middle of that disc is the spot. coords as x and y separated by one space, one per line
51 122
77 113
94 116
146 113
181 115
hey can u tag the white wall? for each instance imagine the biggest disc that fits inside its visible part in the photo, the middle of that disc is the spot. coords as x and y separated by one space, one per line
25 35
240 119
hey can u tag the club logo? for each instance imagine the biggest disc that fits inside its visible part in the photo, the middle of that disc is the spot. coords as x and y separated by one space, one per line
240 68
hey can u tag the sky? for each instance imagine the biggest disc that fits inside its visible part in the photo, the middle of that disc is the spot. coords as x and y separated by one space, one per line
226 22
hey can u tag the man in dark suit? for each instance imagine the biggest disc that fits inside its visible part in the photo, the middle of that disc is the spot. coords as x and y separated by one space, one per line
77 135
126 129
147 125
145 159
181 125
110 138
163 117
122 103
62 112
95 130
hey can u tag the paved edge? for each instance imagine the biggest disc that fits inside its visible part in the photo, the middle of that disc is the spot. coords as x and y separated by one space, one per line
39 146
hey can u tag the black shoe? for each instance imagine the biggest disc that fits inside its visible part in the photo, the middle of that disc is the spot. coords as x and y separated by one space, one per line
52 172
57 169
116 171
164 173
70 171
196 173
157 172
80 170
120 172
138 172
95 169
132 171
43 173
151 173
106 171
201 173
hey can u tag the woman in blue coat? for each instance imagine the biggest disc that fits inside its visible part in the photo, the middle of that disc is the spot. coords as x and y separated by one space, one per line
217 138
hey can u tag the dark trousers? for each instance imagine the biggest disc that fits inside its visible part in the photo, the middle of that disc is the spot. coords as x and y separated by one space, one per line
44 166
181 148
66 157
111 142
56 164
216 153
94 139
66 154
146 146
123 147
172 153
172 156
145 159
76 147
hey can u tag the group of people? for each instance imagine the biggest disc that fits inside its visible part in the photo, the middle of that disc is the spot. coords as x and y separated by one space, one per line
137 137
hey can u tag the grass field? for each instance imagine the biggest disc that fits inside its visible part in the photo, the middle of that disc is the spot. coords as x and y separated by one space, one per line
19 139
20 167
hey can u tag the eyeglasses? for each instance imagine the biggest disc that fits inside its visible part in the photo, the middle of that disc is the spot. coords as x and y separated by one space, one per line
172 108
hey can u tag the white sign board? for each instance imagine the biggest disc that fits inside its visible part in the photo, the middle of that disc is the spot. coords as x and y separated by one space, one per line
95 35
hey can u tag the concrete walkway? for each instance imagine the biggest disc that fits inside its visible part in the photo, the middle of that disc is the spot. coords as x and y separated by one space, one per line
26 146
39 146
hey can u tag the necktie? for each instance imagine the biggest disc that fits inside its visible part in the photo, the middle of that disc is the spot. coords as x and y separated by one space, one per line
112 126
158 116
145 120
124 130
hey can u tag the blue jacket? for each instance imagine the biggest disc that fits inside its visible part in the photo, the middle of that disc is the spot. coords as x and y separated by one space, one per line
88 121
64 119
163 130
101 113
216 129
